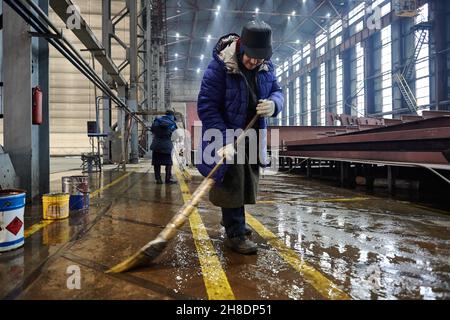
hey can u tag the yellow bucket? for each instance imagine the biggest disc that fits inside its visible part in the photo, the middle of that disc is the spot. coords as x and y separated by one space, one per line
55 206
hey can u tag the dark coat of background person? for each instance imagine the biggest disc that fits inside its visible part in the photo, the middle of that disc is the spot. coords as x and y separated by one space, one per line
162 146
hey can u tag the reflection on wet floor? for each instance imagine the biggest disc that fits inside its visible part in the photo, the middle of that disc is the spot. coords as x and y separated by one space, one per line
365 247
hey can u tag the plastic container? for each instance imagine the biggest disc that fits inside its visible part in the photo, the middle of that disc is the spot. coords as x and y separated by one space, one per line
79 202
12 208
55 206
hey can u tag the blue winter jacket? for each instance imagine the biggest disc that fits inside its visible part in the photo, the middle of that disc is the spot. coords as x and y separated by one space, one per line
223 97
162 129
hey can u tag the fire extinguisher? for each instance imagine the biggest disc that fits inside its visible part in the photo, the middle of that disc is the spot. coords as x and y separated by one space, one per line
37 105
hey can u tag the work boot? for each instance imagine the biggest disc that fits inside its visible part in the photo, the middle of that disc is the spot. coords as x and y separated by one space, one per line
248 231
159 181
241 245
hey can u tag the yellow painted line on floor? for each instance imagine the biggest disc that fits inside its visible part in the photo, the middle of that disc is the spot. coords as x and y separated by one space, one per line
38 226
323 285
434 210
315 200
96 192
216 281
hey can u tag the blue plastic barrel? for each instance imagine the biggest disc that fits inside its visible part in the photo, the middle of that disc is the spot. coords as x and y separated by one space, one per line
79 202
12 207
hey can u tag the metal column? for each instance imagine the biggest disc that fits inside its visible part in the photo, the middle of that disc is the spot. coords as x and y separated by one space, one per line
132 93
107 112
44 128
439 34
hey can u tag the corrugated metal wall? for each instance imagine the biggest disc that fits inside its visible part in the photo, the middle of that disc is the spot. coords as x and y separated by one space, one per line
72 95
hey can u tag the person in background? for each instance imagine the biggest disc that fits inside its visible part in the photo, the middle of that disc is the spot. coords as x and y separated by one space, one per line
162 145
239 83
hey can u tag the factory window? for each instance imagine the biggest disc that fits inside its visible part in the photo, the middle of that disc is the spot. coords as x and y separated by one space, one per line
308 101
322 106
385 8
280 73
356 13
386 69
336 29
296 60
297 102
360 100
286 69
307 53
335 33
321 41
339 86
423 63
359 26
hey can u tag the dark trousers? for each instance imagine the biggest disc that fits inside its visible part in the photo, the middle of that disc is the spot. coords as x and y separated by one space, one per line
234 221
158 172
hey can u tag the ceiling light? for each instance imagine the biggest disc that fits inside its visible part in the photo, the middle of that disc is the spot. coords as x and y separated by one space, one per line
293 13
202 57
176 68
177 35
257 10
198 70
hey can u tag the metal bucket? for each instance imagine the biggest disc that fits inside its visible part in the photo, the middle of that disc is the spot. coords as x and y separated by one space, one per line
75 185
55 206
12 207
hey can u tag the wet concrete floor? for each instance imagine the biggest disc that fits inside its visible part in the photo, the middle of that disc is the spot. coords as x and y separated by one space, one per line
315 242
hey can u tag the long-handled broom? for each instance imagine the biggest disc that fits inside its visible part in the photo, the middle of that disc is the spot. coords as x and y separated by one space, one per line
154 248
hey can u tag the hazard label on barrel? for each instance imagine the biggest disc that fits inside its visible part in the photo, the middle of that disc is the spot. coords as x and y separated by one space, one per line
15 226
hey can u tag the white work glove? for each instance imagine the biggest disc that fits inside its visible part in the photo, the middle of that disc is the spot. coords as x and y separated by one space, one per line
265 108
228 151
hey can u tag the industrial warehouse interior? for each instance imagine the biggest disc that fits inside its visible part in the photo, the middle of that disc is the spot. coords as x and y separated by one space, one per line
225 150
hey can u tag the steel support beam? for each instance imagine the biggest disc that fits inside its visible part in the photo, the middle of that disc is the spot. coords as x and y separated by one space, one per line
107 106
87 37
441 68
132 94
